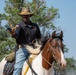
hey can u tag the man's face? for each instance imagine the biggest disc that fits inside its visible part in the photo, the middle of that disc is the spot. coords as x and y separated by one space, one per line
26 18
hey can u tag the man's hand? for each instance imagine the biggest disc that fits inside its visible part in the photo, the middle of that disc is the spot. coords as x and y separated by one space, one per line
11 30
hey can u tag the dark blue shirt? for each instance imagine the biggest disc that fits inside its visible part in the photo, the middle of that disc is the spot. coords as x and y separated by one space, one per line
25 34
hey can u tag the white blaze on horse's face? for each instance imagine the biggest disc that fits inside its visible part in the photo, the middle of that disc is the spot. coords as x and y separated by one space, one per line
63 61
57 52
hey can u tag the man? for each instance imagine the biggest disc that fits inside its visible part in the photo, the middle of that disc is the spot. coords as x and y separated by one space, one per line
26 32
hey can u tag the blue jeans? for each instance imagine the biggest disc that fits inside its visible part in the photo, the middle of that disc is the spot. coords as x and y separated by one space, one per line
21 55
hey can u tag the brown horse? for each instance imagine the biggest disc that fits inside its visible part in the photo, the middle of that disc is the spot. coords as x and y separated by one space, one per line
51 51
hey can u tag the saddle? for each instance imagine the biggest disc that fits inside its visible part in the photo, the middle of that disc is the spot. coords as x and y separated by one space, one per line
9 66
10 57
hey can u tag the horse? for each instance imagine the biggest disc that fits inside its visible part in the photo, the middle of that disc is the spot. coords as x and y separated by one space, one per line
52 51
43 63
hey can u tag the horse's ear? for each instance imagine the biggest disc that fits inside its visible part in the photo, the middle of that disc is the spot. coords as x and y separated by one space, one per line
53 34
61 34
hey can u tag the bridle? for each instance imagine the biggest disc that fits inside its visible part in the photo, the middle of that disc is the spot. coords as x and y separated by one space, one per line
53 51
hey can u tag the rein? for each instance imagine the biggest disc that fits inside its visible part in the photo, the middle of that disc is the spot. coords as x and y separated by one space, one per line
50 63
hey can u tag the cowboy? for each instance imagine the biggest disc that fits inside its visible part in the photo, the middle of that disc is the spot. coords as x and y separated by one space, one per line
25 33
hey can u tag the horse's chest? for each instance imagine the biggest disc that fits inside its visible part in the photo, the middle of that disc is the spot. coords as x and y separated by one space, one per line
37 66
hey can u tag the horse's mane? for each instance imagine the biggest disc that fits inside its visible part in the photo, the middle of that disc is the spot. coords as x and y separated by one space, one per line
45 39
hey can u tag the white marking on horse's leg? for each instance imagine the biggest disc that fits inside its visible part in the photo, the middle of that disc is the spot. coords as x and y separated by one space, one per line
63 61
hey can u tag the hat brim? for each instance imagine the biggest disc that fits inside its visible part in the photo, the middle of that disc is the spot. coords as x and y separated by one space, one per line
23 13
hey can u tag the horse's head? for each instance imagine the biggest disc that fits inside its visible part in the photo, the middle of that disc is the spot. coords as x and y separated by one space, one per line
56 47
54 50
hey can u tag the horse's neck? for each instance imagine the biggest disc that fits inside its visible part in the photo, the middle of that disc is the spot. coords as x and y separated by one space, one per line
50 71
47 55
38 68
